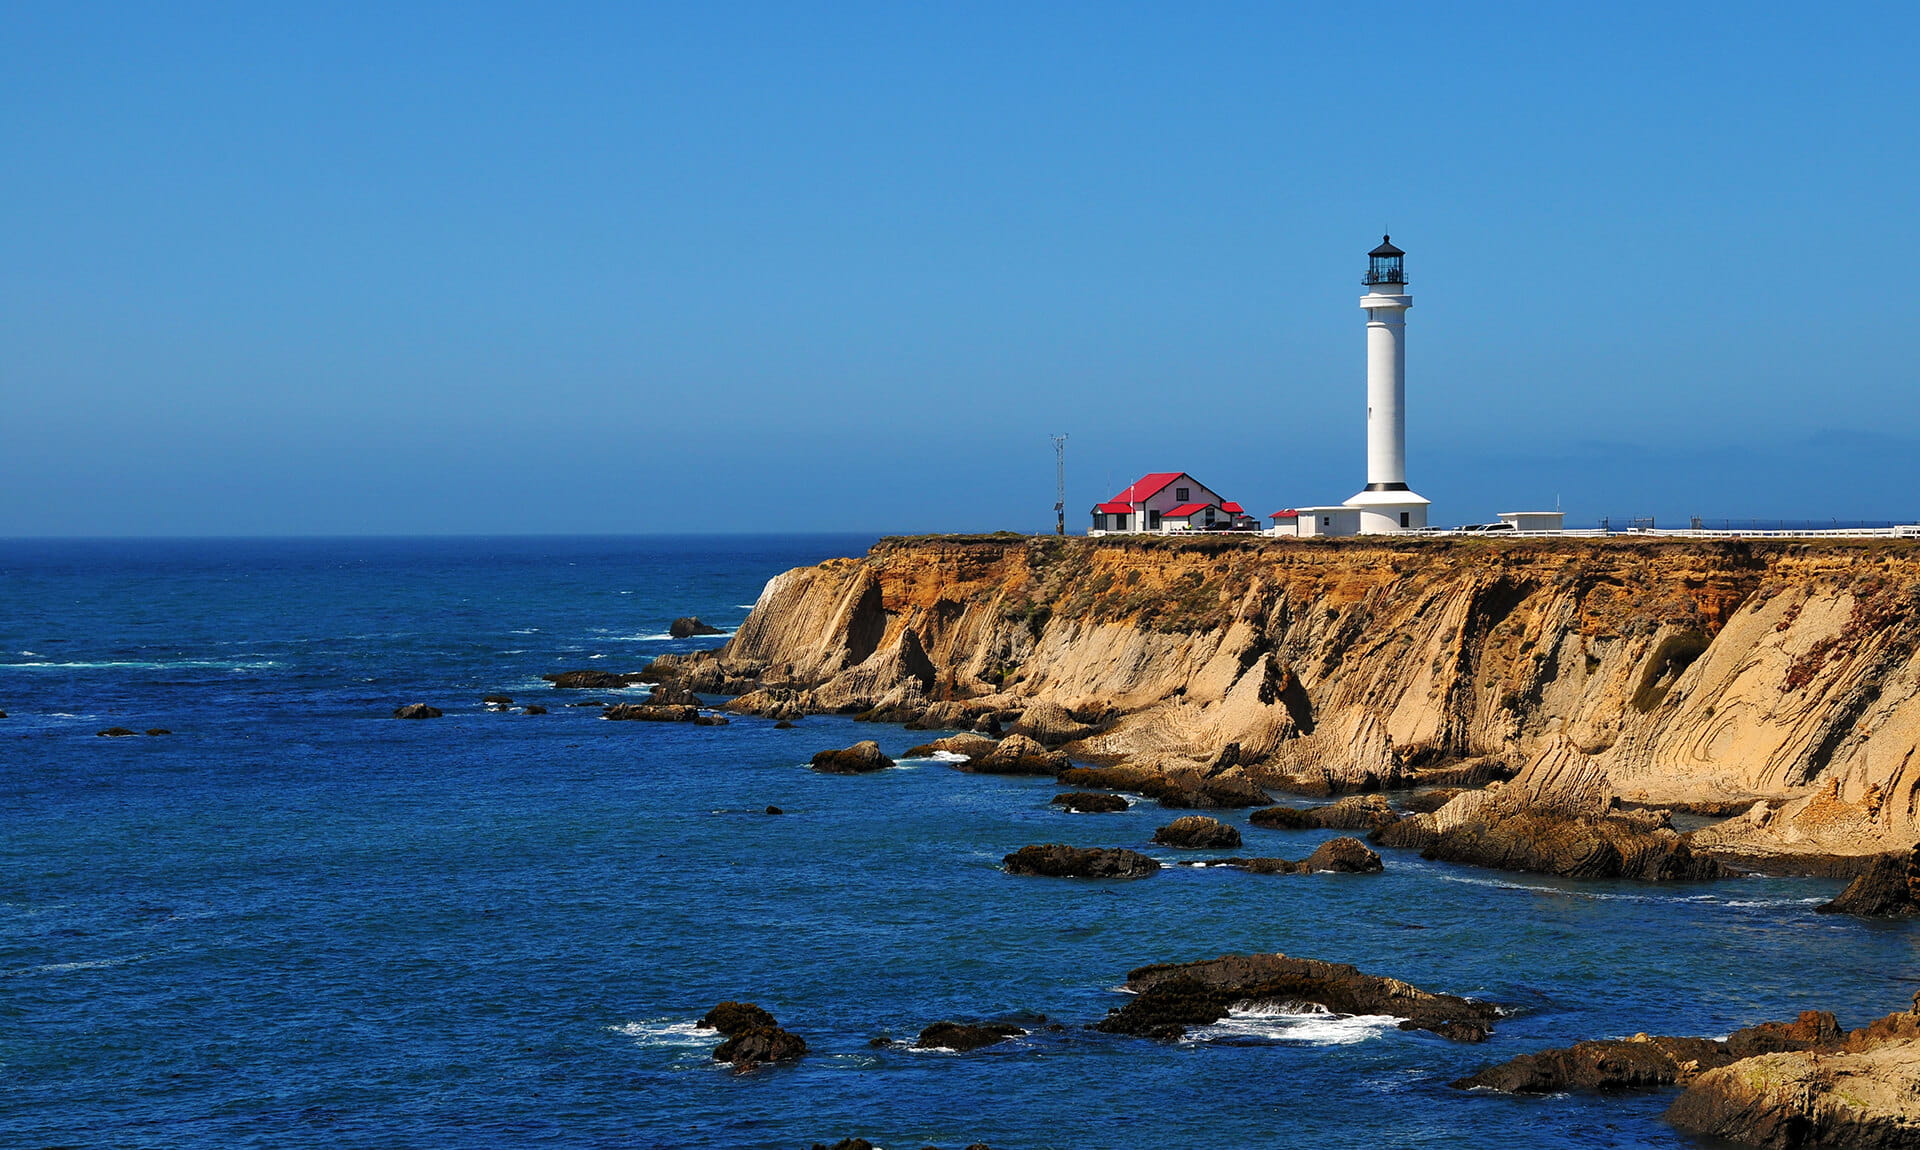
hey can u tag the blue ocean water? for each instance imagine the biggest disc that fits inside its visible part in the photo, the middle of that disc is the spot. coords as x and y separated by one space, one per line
298 922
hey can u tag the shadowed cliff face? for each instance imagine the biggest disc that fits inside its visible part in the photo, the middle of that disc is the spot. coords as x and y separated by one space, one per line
1661 672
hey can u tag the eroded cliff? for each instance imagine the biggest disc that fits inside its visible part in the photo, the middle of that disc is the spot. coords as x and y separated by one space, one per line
1776 681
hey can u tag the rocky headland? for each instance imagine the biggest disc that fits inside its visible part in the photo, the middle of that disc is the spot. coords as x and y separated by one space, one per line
1576 691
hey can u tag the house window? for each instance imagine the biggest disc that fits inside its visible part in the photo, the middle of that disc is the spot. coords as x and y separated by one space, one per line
1406 519
1153 520
1209 515
1180 493
1326 521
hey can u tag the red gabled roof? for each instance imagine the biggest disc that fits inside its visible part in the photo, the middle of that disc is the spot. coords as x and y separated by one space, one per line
1233 509
1289 513
1147 486
1113 508
1186 509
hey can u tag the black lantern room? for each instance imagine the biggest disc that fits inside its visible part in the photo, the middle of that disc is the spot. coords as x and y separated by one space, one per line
1384 264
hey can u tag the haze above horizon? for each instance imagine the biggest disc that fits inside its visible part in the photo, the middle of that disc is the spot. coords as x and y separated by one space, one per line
498 269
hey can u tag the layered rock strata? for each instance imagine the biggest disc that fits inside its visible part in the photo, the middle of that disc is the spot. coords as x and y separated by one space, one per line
1779 680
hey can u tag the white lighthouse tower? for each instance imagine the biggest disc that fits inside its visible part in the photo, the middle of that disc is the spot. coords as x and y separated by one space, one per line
1387 504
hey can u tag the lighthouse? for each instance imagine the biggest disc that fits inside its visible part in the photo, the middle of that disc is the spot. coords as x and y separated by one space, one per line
1387 505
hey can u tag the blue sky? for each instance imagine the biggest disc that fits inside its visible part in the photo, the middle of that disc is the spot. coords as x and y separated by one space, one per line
475 267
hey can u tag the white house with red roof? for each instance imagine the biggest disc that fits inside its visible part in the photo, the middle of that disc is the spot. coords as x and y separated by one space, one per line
1167 501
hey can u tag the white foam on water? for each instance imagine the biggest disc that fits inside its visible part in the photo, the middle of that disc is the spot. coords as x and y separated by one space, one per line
524 631
64 967
1313 1027
746 606
145 665
668 1033
948 757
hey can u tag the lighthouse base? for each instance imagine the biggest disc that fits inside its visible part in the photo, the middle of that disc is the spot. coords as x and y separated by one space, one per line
1390 512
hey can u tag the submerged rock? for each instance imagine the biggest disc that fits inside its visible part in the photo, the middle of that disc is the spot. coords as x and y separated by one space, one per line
1057 860
498 701
1890 887
690 625
1170 997
1198 832
158 731
533 709
862 758
963 1036
122 732
1089 802
417 711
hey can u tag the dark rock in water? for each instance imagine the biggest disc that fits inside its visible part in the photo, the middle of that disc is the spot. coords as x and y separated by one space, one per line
158 731
672 695
1651 1063
731 1018
115 733
783 725
963 1036
417 711
1342 856
498 700
3 714
1170 997
862 758
1630 845
533 709
688 625
647 713
1090 802
711 720
775 811
1335 856
1231 792
1057 860
1890 887
1285 819
592 680
761 1044
1813 1030
1638 1063
1198 832
845 1144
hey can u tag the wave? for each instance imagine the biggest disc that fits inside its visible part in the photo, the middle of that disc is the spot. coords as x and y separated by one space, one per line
668 1033
663 637
1311 1027
1624 896
146 665
64 967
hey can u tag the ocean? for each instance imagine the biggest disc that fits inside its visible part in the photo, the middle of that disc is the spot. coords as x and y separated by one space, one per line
296 921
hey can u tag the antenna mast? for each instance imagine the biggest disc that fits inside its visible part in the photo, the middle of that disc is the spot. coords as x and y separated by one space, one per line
1059 484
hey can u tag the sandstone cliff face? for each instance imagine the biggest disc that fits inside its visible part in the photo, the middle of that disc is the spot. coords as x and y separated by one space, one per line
1779 679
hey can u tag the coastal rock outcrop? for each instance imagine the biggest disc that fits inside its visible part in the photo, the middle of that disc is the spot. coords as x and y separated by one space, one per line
1058 860
1198 832
861 758
752 1036
1335 856
1676 673
1863 1091
410 711
965 1036
593 680
1089 802
1888 888
119 732
1169 998
650 713
1353 813
688 626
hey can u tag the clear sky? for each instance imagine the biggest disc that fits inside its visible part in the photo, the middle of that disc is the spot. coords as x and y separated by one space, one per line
472 267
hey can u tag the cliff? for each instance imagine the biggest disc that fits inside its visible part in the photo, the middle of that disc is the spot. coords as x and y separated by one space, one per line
1773 681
